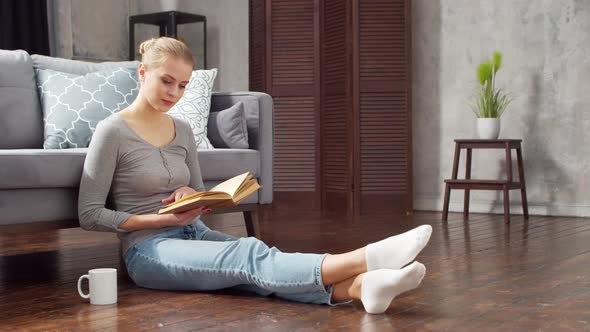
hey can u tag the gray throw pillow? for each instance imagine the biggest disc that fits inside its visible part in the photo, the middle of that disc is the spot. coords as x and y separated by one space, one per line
73 105
228 128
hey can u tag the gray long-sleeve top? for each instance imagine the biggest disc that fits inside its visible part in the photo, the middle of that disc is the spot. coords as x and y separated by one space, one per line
137 175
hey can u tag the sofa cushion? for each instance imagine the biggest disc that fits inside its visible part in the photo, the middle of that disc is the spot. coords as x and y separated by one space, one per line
21 123
228 128
195 104
222 164
73 104
38 168
78 67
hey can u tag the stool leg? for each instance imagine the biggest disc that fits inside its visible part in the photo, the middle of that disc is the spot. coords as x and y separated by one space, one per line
510 181
508 163
525 207
456 160
467 176
506 205
466 205
445 212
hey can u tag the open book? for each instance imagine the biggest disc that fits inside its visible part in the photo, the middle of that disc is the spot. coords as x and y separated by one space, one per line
227 193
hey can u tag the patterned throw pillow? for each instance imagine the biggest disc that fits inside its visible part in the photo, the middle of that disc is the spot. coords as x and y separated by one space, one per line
195 104
73 105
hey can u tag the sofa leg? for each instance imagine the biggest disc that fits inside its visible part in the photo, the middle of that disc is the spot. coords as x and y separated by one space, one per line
252 228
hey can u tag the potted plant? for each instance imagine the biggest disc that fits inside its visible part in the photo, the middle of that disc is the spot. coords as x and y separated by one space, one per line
490 101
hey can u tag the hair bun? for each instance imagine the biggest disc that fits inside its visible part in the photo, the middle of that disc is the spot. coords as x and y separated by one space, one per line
143 47
155 51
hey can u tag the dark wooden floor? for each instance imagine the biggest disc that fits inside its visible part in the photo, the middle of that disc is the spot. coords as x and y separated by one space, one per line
481 274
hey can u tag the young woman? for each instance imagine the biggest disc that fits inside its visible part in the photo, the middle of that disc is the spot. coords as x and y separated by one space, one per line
145 158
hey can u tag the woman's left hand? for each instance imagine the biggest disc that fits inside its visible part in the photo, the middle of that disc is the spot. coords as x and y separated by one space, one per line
178 194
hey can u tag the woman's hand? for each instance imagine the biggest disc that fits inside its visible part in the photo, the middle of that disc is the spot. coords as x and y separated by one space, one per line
185 218
178 194
182 218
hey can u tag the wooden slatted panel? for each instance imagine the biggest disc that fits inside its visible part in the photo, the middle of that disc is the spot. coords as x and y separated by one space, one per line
384 114
336 168
257 45
384 136
334 58
335 148
293 86
383 40
292 42
295 140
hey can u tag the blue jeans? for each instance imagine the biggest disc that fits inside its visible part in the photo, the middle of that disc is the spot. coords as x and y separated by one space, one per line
196 258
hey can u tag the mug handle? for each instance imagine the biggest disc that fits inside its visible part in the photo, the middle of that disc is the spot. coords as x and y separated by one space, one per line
84 296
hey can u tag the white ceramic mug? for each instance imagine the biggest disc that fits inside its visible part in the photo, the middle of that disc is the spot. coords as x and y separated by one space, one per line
102 284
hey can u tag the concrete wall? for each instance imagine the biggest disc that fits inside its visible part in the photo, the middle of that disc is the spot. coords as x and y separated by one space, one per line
546 47
98 31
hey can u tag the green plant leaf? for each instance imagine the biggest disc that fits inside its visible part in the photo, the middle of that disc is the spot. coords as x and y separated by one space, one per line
497 61
484 72
487 100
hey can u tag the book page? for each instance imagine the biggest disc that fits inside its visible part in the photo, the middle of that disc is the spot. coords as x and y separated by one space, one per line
232 185
244 184
251 187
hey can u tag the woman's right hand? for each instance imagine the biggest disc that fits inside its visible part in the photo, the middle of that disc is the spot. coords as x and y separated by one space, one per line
185 218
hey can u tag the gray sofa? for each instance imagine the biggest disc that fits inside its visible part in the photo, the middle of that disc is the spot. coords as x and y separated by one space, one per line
42 185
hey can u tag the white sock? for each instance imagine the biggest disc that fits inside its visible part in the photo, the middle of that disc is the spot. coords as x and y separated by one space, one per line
380 287
397 251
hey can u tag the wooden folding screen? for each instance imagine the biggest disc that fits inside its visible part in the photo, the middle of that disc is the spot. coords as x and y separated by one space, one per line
339 73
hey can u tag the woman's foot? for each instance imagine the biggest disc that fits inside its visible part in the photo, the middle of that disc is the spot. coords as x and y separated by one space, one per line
397 251
380 287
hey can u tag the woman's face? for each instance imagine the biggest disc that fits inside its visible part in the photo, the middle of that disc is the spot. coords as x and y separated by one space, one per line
163 85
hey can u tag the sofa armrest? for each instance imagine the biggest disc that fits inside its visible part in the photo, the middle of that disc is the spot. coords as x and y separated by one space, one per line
259 116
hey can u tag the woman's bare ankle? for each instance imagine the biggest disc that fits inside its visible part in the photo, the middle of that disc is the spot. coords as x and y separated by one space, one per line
354 291
362 259
349 289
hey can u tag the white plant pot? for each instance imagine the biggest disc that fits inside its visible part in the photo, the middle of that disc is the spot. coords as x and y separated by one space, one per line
168 5
488 128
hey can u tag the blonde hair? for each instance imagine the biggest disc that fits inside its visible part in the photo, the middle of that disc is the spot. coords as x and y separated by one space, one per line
156 51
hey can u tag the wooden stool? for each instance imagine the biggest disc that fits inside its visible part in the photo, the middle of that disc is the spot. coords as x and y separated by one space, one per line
473 184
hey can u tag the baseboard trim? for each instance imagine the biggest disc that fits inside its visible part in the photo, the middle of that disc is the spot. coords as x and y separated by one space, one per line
495 207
